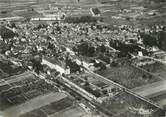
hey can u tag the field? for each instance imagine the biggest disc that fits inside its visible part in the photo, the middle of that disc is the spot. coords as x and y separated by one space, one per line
15 93
108 8
61 108
128 76
50 109
160 99
157 69
125 104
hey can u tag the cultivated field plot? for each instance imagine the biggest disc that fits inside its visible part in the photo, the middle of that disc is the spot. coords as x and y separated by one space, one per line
28 13
77 1
114 8
142 19
160 99
10 7
128 76
55 107
35 113
75 111
156 69
127 105
15 93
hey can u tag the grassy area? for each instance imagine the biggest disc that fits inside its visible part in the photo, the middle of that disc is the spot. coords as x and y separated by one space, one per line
157 69
128 76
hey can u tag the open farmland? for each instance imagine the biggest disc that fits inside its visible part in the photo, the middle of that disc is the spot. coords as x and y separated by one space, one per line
15 93
109 10
35 98
50 108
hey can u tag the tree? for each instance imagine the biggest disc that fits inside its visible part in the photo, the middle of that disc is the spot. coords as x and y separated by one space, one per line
149 40
162 40
6 33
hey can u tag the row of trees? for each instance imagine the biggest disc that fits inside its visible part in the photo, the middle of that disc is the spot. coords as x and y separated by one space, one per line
81 19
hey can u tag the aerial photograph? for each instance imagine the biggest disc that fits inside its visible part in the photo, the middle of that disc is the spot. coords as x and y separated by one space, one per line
82 58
